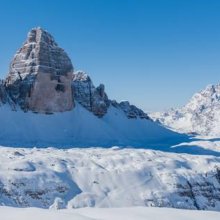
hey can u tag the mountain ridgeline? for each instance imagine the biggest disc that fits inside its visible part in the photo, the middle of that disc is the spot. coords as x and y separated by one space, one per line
42 79
45 102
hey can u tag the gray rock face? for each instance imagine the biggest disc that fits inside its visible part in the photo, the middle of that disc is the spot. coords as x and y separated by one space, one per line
4 97
96 100
90 97
131 111
40 75
3 93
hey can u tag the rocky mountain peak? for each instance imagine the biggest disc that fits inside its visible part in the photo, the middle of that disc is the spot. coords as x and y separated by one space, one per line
206 98
41 79
40 75
39 35
199 116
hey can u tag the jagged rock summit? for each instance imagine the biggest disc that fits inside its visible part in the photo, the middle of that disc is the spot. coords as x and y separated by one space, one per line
42 81
40 75
201 115
85 93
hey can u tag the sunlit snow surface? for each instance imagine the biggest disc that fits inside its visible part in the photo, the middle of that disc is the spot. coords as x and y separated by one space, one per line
114 177
80 127
137 163
138 213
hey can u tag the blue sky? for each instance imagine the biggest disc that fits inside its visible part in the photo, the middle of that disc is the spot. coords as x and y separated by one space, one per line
154 53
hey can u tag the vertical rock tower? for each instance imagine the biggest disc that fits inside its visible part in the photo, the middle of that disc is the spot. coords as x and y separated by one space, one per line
40 75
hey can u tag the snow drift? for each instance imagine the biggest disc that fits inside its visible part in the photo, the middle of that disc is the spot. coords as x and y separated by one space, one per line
97 177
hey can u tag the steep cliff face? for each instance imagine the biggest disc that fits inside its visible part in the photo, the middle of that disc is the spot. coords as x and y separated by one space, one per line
40 75
90 97
3 93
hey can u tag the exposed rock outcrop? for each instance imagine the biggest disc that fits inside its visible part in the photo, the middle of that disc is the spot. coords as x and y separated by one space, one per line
131 111
96 100
92 98
3 93
40 75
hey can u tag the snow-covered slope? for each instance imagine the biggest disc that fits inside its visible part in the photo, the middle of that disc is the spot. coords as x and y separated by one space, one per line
138 213
80 127
98 177
201 115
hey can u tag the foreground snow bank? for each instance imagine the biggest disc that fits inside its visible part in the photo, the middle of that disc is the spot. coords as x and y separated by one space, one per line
98 177
138 213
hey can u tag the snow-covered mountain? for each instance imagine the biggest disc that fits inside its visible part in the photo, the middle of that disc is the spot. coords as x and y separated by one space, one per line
200 115
44 102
